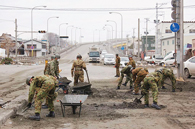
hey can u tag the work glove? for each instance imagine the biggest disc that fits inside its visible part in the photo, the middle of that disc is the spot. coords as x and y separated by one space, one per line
29 105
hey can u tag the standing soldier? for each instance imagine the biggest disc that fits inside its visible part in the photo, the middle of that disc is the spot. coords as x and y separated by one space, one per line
126 70
168 73
151 81
138 76
77 69
117 65
47 66
132 63
44 86
54 67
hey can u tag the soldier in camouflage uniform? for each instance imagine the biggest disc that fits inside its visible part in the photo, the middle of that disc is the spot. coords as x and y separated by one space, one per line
138 75
117 65
132 63
43 86
151 81
47 66
128 71
77 69
167 73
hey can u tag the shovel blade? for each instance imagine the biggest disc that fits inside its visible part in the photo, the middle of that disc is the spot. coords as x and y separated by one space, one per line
137 100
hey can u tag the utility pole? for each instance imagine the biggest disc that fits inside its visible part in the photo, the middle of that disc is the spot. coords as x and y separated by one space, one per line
138 38
16 50
146 45
156 40
133 40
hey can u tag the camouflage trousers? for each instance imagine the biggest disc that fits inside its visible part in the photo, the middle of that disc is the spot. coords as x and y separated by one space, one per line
78 77
121 79
137 82
117 71
45 91
150 83
173 83
129 79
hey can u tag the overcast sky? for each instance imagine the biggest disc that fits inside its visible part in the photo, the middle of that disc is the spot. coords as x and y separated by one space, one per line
88 21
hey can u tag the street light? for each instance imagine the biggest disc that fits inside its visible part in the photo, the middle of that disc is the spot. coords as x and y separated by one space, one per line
71 35
67 30
112 29
75 34
48 31
32 24
121 23
59 31
116 27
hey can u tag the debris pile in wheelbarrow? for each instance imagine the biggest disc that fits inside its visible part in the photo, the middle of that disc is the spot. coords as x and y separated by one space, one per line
64 84
82 88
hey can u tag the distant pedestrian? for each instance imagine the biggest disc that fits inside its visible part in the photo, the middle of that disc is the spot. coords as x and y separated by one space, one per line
117 65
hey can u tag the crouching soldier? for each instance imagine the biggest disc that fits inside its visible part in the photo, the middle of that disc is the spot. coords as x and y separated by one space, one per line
46 85
167 73
138 76
128 71
151 81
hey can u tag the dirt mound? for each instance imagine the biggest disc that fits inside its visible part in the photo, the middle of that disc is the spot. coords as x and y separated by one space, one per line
80 84
131 105
64 80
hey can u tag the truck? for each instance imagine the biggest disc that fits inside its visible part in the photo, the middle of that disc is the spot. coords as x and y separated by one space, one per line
94 54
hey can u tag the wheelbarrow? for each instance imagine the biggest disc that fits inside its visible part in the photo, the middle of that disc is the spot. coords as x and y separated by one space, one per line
82 87
74 101
63 84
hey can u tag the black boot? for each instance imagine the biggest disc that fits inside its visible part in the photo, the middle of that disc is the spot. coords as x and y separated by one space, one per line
173 90
154 105
131 87
35 117
124 84
44 106
163 87
146 106
118 88
51 114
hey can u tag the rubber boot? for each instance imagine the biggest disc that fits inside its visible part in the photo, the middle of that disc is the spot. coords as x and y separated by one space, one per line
118 88
163 87
35 117
124 84
154 105
44 106
131 87
173 90
146 106
51 114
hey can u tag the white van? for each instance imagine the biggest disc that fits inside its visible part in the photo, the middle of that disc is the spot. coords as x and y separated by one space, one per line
169 56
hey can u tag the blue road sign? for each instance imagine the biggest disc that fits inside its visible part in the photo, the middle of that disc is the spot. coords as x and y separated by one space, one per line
122 48
32 47
174 27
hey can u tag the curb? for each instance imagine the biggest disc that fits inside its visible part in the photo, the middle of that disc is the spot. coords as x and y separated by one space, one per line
11 108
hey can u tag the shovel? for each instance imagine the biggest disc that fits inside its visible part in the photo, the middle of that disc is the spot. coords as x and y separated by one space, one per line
87 76
138 100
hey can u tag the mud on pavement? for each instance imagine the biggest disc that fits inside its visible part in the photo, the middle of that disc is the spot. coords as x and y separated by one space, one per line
106 106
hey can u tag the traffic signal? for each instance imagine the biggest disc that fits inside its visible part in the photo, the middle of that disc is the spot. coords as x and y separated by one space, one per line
42 31
173 14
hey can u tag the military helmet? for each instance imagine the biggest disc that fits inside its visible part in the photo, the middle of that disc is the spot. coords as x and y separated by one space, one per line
146 69
79 56
129 66
57 56
130 56
28 80
160 71
52 57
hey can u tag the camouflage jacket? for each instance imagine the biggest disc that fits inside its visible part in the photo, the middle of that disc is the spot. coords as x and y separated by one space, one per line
38 82
117 65
54 68
47 69
157 77
78 66
126 70
132 63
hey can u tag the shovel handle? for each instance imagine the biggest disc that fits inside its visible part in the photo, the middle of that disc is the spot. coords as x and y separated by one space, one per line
87 76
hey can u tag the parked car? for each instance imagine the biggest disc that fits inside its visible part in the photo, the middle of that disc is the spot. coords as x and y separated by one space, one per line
168 55
169 61
123 61
154 59
109 59
189 67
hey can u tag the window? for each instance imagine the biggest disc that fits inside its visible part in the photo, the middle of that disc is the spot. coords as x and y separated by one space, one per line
167 42
192 60
29 46
163 43
192 31
168 31
44 46
173 42
43 53
152 45
145 45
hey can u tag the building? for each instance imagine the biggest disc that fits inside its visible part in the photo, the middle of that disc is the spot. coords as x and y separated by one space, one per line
38 50
166 36
150 43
